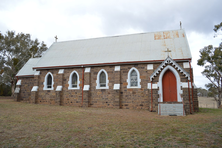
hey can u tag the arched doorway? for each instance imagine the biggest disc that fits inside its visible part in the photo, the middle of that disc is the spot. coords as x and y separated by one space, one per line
169 84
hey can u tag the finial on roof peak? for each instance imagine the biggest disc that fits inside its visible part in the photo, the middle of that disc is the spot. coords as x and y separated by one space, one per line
56 38
180 25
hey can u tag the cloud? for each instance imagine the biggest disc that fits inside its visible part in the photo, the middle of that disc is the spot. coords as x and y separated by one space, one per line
198 41
82 19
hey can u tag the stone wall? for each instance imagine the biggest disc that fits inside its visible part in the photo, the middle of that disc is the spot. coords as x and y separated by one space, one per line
47 96
71 97
134 98
126 98
102 97
25 89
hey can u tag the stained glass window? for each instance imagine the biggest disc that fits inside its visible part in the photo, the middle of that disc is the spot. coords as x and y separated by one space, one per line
133 78
102 79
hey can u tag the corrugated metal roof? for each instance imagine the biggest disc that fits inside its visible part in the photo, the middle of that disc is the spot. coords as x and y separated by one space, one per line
27 69
126 48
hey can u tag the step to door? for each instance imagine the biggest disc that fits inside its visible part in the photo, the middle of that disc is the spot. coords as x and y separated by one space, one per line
171 110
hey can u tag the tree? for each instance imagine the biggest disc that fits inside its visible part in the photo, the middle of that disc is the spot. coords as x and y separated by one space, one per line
202 92
211 59
15 51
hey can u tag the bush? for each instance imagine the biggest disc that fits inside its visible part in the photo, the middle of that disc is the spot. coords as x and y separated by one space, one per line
5 90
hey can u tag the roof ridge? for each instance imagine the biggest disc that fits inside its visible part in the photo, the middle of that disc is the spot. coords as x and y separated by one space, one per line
122 35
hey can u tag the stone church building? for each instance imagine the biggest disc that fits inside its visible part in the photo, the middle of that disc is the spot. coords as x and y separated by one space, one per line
149 71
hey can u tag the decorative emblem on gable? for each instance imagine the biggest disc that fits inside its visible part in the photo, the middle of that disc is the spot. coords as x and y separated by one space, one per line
167 61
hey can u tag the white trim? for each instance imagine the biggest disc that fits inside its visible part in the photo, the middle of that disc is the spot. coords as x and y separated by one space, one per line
59 88
35 88
97 81
116 86
37 73
138 78
168 60
154 86
17 90
186 65
149 66
19 82
87 69
179 91
148 85
61 71
117 68
185 85
86 87
45 82
70 81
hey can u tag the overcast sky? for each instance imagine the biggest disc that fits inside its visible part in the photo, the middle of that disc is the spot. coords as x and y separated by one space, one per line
81 19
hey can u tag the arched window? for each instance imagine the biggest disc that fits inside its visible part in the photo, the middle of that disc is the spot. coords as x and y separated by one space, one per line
73 80
133 78
102 80
48 83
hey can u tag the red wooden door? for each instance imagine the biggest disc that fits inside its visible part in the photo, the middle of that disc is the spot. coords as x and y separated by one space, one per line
169 85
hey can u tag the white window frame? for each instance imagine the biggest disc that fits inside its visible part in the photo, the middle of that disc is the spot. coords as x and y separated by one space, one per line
98 80
45 82
70 81
138 78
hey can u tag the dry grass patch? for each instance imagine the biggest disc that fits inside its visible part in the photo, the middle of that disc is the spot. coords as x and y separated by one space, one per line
33 125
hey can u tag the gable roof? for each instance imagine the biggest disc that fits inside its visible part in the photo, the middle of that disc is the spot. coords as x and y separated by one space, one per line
27 69
117 49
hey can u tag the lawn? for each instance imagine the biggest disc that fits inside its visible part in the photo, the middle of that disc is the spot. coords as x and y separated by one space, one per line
34 125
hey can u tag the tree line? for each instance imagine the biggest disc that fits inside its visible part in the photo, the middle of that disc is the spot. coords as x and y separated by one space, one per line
15 51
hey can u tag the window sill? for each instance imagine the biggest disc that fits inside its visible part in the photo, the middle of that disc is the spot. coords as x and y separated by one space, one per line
102 87
133 87
73 88
47 88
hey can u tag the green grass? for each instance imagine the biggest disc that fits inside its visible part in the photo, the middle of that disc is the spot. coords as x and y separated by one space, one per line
34 125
